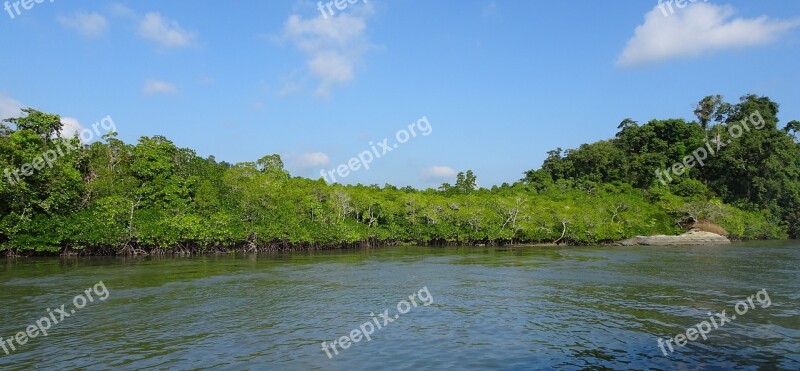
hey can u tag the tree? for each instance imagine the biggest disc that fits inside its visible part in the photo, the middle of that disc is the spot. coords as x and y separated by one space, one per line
270 163
759 168
626 123
793 126
706 109
558 164
538 179
46 125
466 183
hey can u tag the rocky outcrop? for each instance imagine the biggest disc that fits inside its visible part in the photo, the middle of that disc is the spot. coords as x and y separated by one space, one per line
705 225
693 237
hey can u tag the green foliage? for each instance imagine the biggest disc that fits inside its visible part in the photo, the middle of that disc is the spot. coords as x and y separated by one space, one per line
691 189
756 166
45 125
116 197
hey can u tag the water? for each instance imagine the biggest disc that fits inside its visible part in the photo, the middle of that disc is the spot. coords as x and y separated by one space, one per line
492 308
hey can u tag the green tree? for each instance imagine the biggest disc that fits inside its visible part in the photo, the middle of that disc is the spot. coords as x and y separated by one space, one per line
793 127
466 182
707 108
46 125
626 123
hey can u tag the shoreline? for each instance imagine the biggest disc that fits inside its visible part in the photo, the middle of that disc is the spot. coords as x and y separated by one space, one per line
685 239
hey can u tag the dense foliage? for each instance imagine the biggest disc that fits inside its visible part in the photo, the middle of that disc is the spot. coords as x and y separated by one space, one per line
756 170
113 197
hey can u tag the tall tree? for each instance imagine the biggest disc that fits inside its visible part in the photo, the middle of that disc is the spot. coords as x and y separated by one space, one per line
706 109
466 183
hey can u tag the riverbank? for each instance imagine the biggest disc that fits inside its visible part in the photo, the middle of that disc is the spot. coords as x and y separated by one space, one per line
692 237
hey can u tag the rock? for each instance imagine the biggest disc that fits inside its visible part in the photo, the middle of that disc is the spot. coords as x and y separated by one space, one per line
693 237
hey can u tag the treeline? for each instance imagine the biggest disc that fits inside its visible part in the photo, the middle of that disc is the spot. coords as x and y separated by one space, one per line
110 197
752 166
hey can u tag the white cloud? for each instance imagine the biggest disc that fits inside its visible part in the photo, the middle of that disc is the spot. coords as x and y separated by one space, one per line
697 29
311 160
87 24
334 45
331 68
438 172
9 107
71 127
159 87
164 31
121 10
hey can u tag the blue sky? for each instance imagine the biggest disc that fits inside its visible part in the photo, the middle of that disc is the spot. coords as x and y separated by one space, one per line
501 82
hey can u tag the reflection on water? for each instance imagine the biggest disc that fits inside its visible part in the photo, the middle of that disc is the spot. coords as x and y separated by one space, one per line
497 308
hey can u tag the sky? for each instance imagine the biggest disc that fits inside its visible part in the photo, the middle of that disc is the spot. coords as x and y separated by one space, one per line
488 86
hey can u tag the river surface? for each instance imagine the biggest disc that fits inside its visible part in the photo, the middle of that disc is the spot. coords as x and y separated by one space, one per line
470 308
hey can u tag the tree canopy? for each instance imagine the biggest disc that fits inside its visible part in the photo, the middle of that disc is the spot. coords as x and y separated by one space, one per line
111 197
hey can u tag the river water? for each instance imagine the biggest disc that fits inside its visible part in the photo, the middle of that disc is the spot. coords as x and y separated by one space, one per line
470 308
